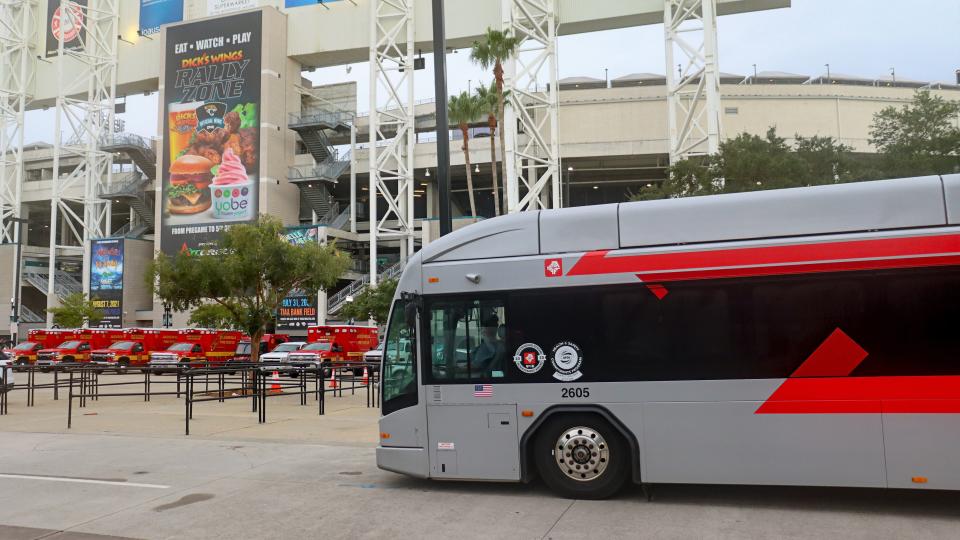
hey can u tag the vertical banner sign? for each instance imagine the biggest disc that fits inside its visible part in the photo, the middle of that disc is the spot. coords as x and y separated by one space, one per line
211 147
155 13
298 310
106 280
68 22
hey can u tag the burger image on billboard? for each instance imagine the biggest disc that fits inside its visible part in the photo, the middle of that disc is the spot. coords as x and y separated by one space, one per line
189 190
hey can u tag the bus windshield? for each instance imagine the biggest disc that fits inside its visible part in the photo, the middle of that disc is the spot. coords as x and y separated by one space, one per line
399 360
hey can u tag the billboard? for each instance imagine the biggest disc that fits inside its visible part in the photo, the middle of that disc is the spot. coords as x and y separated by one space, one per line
106 280
211 147
298 310
297 3
154 13
219 7
68 22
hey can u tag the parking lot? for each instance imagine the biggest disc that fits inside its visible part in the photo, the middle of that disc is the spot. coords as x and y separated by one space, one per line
126 470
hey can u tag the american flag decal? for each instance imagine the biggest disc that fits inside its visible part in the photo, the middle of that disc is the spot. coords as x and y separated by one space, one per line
483 390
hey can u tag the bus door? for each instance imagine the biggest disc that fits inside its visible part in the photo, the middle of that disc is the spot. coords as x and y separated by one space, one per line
472 434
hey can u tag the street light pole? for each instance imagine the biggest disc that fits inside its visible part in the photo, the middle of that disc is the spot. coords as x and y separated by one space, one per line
443 127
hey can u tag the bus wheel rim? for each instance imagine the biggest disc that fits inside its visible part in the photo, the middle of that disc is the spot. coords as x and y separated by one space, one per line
582 454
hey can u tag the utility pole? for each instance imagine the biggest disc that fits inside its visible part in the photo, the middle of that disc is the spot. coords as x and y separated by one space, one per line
443 128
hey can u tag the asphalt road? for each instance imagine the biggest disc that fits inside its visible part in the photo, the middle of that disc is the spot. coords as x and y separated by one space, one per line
94 486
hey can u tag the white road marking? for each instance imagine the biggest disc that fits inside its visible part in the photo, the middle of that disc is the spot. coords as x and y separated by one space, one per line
82 481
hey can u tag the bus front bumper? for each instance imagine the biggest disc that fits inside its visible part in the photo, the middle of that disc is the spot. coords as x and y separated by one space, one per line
409 461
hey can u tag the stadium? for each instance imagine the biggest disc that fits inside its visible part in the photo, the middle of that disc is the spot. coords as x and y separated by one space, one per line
317 156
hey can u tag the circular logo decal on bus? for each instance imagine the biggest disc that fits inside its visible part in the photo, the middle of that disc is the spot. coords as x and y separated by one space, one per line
529 358
567 358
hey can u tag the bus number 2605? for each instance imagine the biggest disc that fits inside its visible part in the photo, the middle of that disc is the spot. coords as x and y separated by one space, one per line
575 392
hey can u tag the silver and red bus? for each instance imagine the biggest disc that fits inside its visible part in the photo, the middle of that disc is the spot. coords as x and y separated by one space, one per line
805 336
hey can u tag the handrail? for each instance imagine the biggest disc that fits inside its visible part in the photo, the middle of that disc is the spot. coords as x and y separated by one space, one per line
336 301
331 214
330 168
331 118
132 185
27 315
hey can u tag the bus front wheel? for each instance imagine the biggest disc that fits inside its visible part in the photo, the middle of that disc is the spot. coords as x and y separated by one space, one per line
581 456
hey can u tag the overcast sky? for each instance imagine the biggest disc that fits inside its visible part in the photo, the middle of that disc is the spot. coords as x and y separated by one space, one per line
919 38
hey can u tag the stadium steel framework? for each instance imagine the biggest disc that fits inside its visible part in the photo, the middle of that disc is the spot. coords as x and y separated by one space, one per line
16 73
533 162
391 165
84 122
693 92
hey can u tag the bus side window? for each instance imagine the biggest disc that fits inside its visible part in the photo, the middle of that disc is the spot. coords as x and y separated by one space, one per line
467 340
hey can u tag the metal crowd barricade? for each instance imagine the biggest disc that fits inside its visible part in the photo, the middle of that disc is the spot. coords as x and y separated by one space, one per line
84 382
203 382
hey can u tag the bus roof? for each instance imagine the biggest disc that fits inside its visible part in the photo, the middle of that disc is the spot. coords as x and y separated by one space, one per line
903 203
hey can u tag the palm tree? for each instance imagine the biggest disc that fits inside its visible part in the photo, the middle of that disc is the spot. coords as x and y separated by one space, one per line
489 103
463 110
496 47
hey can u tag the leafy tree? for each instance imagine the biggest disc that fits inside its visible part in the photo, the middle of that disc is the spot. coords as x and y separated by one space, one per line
75 311
919 138
750 162
489 105
372 302
495 47
211 316
251 272
464 110
827 161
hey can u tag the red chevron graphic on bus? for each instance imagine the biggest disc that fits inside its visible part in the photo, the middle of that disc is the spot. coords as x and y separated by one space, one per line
837 256
822 385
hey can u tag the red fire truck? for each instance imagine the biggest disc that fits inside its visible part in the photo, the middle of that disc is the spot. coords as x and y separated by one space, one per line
198 345
334 344
132 347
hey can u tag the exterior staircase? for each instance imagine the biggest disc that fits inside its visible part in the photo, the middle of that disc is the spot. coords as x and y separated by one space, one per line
316 181
138 148
132 188
64 285
27 315
336 301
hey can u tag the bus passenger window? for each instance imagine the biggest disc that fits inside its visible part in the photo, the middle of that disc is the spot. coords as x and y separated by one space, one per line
467 340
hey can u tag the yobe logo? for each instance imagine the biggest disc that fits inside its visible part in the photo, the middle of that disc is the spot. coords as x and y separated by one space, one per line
232 203
228 205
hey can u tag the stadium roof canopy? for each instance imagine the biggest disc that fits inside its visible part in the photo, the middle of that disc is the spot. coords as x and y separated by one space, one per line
777 77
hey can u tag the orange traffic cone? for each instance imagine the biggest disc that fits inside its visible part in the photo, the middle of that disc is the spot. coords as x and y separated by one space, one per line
366 377
275 382
333 378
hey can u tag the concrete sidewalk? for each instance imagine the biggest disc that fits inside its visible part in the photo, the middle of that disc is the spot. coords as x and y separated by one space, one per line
348 420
